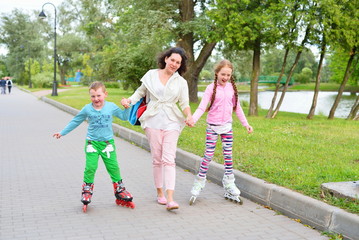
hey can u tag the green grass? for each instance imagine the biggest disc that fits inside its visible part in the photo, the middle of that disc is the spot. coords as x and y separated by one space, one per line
289 151
240 87
296 87
323 87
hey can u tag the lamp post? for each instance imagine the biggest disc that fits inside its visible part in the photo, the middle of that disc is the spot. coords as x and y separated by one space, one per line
42 16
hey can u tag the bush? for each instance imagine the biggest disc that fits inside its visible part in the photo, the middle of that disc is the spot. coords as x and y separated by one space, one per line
43 80
112 84
305 76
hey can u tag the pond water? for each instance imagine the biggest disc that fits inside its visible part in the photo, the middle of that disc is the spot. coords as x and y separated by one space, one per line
301 101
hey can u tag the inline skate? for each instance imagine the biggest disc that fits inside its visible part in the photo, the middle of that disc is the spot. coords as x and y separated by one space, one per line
123 197
231 191
198 185
87 191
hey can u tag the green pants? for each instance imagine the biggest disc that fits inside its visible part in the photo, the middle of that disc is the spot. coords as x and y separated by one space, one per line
93 150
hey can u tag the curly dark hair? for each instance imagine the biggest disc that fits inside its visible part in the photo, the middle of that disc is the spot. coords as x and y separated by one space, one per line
161 59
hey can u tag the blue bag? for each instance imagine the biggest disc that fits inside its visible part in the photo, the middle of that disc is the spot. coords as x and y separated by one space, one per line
136 111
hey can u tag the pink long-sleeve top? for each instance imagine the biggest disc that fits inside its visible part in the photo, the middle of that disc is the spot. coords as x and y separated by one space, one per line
222 107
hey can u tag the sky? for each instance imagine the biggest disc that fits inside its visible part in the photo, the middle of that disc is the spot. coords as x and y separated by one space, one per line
7 6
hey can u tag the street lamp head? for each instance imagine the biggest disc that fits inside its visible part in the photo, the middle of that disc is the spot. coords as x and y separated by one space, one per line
42 15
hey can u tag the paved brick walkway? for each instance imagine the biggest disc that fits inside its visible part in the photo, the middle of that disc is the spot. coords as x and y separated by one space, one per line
41 177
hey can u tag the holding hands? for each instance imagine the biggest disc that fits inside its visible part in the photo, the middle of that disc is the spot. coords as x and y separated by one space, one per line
189 121
125 102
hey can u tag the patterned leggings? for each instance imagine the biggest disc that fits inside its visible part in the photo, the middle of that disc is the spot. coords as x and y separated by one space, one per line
211 141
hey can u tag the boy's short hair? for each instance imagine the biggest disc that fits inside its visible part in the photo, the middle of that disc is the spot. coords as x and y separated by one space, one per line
96 85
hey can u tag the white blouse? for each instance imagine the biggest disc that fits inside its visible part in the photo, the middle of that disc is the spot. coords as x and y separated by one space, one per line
162 110
161 120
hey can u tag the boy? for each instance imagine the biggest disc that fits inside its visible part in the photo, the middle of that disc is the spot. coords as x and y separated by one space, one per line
99 142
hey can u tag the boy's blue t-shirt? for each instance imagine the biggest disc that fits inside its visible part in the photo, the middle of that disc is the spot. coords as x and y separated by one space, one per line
100 121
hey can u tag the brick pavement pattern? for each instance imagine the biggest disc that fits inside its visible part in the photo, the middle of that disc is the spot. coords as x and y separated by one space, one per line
40 190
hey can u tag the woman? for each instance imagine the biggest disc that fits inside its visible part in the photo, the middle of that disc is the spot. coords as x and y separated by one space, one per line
163 121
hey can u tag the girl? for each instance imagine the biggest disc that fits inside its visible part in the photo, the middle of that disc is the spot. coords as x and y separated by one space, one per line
222 97
163 120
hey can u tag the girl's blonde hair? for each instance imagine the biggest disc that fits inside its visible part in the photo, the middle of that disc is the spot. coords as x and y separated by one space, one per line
96 85
218 67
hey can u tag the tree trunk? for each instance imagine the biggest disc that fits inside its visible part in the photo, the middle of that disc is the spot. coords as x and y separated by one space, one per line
186 41
342 85
354 110
277 85
299 53
62 69
195 69
317 81
253 102
284 64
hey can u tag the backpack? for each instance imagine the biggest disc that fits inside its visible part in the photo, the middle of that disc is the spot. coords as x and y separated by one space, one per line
137 110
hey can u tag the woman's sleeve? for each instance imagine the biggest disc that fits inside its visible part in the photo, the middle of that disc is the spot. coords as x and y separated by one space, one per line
184 97
138 94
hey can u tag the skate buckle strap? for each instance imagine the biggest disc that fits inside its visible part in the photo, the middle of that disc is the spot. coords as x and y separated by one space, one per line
120 188
87 189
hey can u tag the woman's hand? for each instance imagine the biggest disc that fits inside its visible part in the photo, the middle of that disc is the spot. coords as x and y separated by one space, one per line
126 102
189 121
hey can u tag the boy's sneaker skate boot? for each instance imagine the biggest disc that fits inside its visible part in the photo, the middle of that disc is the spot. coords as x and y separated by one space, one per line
230 188
87 191
123 197
198 185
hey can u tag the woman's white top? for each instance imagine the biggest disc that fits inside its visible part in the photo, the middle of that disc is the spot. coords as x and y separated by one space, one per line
162 110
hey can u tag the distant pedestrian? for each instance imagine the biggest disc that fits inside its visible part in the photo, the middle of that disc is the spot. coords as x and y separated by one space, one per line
3 85
9 85
222 98
167 111
100 142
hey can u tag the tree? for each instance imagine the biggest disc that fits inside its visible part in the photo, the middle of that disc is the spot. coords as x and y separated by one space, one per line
328 12
349 42
22 37
125 49
199 27
296 10
248 25
305 21
69 47
353 114
178 22
3 69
